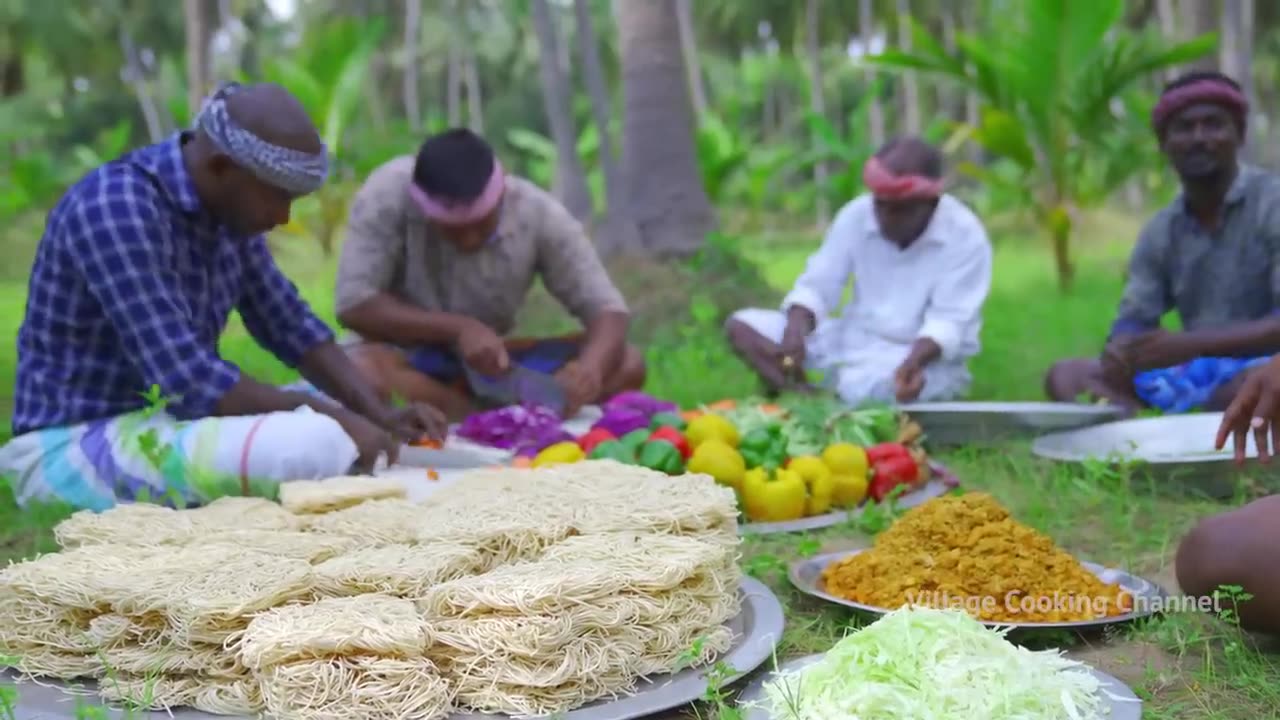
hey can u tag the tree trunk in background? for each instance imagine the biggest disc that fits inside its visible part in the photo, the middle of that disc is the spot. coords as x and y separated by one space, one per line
1237 60
557 98
412 31
1200 17
910 81
867 33
136 77
659 157
598 91
969 23
817 103
475 95
453 85
1167 14
692 62
199 83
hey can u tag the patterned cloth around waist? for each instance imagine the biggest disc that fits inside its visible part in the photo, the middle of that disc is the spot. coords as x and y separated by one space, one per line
1186 387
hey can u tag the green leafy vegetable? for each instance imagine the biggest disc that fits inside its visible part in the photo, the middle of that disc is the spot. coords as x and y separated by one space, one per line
939 664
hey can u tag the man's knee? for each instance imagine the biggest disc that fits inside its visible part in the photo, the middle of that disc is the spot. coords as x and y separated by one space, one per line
376 363
630 374
1202 560
1065 380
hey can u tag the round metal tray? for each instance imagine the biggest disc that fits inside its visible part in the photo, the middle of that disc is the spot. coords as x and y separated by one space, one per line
985 423
942 482
806 576
758 628
1175 449
1123 704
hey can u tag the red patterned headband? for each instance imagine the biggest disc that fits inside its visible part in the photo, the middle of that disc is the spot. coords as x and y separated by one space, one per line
884 183
1201 91
462 213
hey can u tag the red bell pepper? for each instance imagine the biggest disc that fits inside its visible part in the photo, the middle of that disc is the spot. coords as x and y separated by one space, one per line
673 436
884 451
890 472
594 437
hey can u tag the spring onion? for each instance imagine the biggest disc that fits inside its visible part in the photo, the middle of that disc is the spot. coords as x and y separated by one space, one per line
932 664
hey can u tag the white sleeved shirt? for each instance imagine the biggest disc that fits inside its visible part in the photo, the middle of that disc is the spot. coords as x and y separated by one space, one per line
936 288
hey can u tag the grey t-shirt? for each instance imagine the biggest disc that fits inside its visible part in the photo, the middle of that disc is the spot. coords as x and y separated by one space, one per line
1229 275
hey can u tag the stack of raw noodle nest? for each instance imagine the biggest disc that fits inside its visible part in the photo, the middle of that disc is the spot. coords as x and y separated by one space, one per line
515 591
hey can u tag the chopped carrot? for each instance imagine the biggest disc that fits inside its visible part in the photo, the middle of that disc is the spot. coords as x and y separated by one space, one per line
772 409
522 462
723 405
690 415
432 474
426 442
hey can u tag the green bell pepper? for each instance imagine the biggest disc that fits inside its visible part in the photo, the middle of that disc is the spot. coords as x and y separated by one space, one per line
764 447
662 456
666 419
634 439
613 450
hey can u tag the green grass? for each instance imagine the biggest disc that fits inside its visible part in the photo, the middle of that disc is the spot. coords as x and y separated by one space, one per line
1185 666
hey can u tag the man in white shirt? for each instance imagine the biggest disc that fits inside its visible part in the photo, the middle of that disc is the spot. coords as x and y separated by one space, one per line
921 262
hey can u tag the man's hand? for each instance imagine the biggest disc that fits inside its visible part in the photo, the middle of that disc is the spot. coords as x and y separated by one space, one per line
483 350
791 352
582 383
1256 407
908 381
414 422
371 440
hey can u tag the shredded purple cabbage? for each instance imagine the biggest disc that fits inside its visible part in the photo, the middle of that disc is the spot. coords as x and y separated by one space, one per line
636 400
514 427
621 420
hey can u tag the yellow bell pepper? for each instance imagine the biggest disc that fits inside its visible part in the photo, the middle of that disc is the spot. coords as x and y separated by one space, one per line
821 493
773 496
559 453
849 490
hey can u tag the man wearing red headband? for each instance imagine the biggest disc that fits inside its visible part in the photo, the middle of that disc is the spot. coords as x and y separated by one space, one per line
1213 255
921 263
441 251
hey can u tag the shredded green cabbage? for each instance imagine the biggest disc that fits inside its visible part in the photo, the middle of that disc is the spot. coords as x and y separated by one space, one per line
932 664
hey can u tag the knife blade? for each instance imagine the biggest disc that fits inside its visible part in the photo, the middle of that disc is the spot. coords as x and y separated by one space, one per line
521 385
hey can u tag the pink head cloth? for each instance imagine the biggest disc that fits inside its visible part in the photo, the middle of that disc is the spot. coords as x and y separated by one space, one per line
462 213
1208 90
883 183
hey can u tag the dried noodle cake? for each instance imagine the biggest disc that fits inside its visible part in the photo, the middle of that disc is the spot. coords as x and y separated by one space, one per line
583 622
376 522
142 524
967 551
351 657
399 570
306 497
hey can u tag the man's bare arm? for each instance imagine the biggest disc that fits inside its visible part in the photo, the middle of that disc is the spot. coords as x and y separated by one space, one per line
388 319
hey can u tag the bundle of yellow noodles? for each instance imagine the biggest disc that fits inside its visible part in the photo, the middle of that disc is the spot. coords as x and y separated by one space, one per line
525 592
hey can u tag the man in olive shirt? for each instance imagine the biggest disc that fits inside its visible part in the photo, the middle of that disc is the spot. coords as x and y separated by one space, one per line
440 253
1213 255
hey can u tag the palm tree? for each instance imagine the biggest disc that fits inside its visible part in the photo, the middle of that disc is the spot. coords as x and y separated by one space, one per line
557 98
1057 89
668 201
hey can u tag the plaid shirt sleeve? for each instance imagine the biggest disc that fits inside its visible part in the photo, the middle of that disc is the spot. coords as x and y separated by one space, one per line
121 242
274 312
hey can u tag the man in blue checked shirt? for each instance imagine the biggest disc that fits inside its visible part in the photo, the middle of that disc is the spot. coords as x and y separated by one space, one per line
120 390
1213 255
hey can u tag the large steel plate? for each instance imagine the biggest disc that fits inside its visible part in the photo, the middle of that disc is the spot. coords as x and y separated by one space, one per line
1148 597
1121 701
940 484
986 423
1175 449
758 629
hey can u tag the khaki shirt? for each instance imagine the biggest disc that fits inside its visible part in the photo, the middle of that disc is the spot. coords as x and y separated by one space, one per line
391 248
